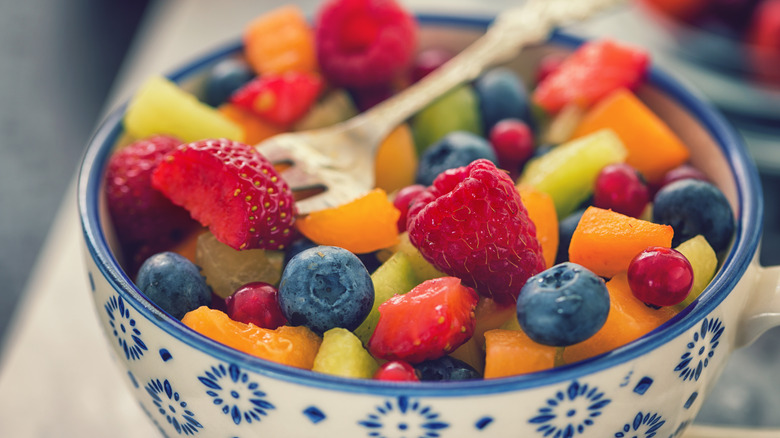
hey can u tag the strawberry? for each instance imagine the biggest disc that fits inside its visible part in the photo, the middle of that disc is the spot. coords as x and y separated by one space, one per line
428 322
472 224
594 70
145 221
231 188
281 99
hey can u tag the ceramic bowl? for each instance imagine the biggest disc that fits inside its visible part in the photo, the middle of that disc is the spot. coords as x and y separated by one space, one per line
190 385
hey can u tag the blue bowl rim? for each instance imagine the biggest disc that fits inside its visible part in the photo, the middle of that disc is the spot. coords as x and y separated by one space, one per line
748 231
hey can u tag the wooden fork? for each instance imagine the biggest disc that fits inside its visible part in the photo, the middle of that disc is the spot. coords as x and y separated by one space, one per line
337 162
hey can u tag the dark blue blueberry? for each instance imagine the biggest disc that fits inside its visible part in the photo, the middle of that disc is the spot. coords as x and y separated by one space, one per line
566 229
456 149
297 247
563 305
695 207
502 95
326 287
445 369
173 283
224 78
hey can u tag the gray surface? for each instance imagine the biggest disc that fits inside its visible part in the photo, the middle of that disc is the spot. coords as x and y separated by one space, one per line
58 61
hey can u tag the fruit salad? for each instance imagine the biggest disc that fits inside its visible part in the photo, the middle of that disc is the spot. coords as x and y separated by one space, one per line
516 225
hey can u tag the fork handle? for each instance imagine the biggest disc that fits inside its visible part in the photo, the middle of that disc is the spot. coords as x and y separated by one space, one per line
512 30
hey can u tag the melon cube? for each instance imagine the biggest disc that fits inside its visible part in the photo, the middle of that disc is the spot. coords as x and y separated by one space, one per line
512 352
162 107
342 354
704 262
605 241
568 172
628 320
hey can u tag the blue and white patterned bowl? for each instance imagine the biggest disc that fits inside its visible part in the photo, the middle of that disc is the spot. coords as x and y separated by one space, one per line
190 385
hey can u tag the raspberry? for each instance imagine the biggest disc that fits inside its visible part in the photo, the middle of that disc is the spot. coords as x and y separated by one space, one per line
145 220
232 189
362 43
472 224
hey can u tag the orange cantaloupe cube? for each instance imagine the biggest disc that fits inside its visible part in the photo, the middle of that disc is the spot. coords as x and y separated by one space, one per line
541 211
293 346
489 315
279 41
628 320
512 352
653 148
396 160
605 241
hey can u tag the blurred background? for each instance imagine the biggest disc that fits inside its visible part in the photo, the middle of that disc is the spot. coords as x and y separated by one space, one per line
65 63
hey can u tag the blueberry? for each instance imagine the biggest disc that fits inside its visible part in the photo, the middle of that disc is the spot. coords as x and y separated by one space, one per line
370 260
502 95
224 78
566 229
326 287
563 305
444 369
456 149
695 207
173 283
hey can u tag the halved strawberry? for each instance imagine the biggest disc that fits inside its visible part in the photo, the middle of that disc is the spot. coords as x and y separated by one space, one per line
232 189
428 322
281 99
594 70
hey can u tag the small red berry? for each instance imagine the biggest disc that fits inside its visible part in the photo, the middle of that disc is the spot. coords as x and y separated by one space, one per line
397 371
682 172
513 142
257 303
660 276
403 199
429 60
619 187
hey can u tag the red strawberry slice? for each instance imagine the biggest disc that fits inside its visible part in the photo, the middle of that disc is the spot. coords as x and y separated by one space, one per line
472 224
281 99
364 43
145 221
232 189
428 322
594 70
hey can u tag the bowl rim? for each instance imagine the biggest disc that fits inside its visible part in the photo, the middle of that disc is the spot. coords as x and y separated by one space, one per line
740 256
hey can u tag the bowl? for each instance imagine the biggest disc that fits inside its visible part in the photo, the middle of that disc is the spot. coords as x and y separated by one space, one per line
190 385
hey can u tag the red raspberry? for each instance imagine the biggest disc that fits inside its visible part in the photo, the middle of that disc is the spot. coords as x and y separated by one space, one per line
362 43
232 189
428 322
472 224
281 99
145 220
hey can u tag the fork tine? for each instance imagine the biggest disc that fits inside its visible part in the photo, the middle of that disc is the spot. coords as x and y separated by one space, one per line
299 178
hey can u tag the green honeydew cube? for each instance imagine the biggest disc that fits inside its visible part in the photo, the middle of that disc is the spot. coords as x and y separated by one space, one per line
342 354
704 262
162 107
568 172
457 110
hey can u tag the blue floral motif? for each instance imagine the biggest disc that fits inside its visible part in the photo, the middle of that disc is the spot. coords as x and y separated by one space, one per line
235 394
700 350
123 327
403 418
170 406
571 411
643 426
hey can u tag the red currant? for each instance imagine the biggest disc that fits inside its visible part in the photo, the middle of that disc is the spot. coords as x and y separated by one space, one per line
660 276
403 199
397 371
513 142
256 303
619 187
429 60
